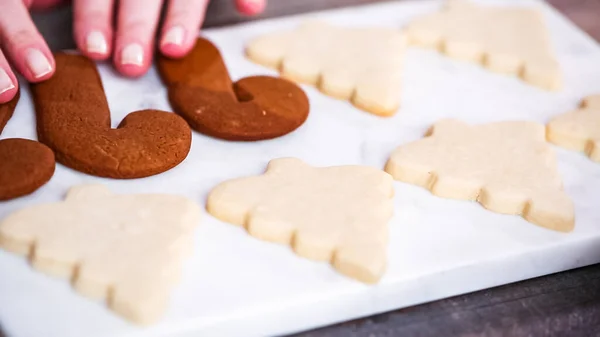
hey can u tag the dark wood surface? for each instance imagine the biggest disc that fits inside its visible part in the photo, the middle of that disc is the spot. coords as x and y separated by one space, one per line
564 304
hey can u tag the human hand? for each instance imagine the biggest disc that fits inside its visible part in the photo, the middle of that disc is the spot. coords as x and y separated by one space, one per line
130 42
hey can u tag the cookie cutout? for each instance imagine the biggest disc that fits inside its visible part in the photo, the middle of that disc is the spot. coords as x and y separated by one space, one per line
578 130
25 165
253 108
363 65
507 40
507 167
126 249
337 214
592 102
73 119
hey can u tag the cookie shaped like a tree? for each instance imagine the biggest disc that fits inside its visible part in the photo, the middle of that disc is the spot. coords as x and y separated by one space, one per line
507 167
336 214
126 249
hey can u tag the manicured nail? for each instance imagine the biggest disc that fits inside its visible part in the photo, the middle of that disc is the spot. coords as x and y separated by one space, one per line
174 36
133 54
96 43
37 63
6 83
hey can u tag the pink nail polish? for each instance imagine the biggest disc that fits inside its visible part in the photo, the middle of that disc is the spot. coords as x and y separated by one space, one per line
96 43
6 83
133 54
174 36
37 63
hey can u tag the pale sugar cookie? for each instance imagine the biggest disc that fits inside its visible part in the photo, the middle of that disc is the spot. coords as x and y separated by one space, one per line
507 167
578 130
336 214
591 102
508 40
126 249
363 65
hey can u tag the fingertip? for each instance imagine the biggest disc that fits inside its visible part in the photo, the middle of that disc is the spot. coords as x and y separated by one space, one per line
39 65
174 42
132 60
41 78
131 70
95 45
251 7
8 84
8 95
175 50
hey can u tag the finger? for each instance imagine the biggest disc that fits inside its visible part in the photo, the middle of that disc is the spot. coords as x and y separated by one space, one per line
180 29
136 28
22 43
92 26
8 81
251 7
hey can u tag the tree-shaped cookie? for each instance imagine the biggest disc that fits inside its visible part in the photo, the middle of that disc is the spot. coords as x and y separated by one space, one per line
507 167
25 165
127 249
509 40
336 214
363 65
591 102
578 130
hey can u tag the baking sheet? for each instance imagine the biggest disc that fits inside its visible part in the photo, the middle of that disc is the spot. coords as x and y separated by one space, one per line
235 285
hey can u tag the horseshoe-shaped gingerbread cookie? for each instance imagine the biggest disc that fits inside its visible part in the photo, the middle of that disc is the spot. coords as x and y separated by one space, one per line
73 119
253 108
25 165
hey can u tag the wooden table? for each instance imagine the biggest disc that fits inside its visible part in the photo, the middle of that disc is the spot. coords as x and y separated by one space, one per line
564 304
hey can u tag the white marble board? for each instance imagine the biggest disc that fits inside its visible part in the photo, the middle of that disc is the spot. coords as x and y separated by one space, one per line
235 285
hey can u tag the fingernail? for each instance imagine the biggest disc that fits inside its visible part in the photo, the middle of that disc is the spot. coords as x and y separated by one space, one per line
174 36
96 43
6 83
133 54
37 63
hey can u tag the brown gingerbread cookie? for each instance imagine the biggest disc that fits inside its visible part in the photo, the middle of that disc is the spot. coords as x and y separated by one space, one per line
73 119
253 108
25 165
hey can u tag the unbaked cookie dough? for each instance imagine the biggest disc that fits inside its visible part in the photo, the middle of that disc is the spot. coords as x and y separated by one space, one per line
592 102
363 65
126 249
337 214
508 40
578 130
507 167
